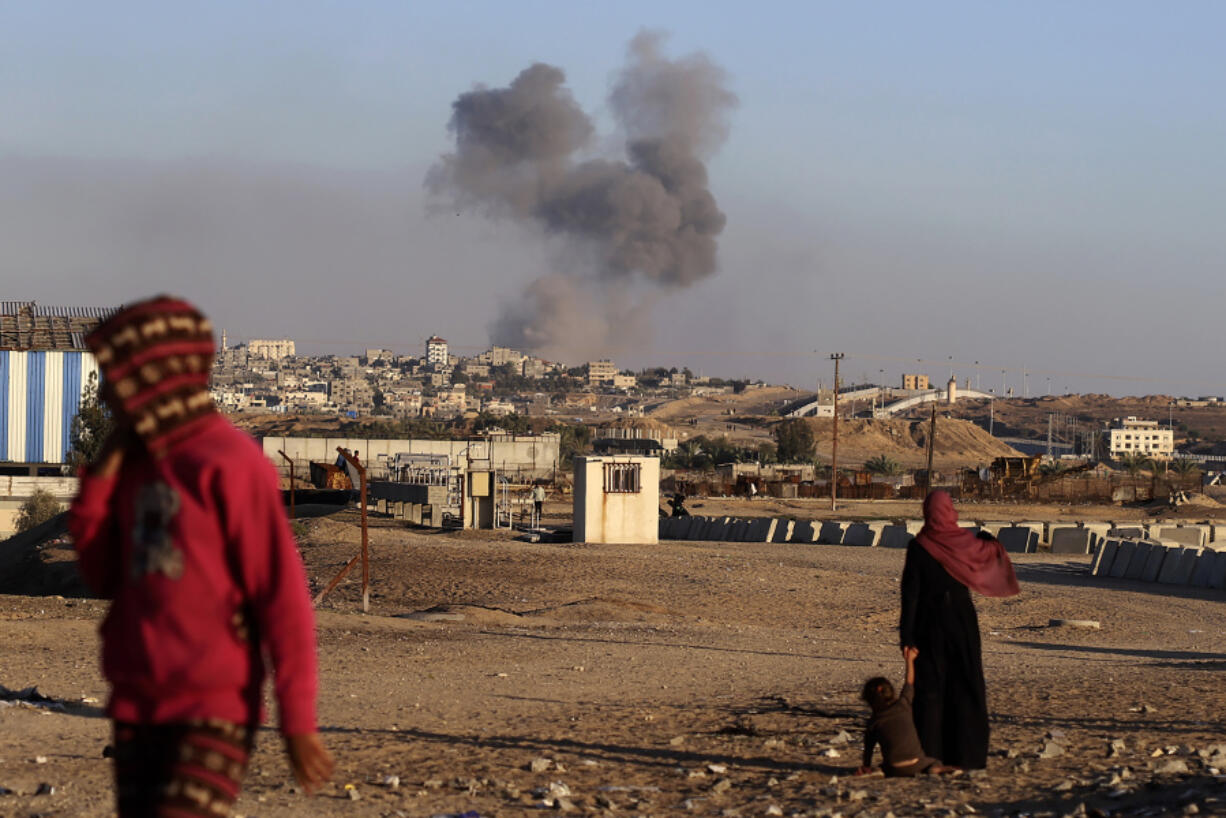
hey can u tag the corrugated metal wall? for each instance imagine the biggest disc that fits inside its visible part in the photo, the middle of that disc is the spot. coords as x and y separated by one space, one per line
40 394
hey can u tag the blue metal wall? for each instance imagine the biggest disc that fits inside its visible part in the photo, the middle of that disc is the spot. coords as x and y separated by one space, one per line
40 394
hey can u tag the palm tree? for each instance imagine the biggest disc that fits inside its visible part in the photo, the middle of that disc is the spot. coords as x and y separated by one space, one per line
1051 469
1187 469
1134 463
883 464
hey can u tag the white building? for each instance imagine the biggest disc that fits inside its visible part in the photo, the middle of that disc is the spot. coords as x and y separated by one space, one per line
617 499
270 349
1143 437
436 351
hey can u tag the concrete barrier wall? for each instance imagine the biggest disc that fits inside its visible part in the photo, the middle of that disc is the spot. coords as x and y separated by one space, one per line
1019 539
1190 557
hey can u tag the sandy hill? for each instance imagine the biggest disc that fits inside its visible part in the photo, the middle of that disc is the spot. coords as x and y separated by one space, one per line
959 443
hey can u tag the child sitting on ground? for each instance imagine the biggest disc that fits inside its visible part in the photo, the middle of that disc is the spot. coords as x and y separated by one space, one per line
892 727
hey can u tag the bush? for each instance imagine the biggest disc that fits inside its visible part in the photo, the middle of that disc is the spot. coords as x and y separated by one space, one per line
40 508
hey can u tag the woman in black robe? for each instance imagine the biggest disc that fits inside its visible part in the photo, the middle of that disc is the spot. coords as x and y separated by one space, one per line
944 563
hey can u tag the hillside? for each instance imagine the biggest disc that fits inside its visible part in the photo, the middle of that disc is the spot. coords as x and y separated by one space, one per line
959 443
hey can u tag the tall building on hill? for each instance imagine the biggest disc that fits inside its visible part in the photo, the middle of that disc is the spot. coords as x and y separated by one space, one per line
601 372
436 351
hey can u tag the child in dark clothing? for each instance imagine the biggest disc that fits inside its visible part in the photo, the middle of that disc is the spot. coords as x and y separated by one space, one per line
892 727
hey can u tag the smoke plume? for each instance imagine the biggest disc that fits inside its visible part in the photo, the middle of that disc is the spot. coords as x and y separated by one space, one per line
522 153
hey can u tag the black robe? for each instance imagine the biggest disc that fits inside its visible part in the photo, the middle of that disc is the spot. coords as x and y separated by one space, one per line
951 705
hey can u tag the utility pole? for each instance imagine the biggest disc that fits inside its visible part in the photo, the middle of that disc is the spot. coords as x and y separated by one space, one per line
932 435
834 446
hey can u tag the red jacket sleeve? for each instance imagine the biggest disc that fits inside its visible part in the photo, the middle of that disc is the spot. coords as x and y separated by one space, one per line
274 582
93 527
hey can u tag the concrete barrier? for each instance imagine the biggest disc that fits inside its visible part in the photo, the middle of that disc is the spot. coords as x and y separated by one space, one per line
1179 565
1193 535
1099 530
1039 527
716 529
1124 558
861 534
1202 574
1065 540
830 533
994 527
783 530
1159 553
895 536
1217 574
1127 532
1100 566
760 529
803 531
1018 539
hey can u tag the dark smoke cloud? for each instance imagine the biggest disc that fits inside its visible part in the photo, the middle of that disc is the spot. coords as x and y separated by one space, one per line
647 217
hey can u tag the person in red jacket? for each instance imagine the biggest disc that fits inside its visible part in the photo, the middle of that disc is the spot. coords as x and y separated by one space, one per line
179 522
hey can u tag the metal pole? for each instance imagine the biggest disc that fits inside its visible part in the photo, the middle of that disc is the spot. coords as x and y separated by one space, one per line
834 446
357 464
289 460
932 434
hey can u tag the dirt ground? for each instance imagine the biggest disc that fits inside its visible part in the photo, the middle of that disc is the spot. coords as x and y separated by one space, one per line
499 676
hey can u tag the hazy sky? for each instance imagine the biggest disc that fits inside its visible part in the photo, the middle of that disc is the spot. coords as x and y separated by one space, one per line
1034 185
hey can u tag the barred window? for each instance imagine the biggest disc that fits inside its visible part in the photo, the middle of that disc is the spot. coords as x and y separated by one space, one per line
621 478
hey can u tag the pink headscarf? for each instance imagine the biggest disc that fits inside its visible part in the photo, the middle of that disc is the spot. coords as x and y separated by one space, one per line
981 565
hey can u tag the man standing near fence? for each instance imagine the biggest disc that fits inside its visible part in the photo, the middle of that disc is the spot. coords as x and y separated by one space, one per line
538 503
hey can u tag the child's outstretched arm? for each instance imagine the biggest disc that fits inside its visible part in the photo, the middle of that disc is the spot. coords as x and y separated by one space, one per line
909 653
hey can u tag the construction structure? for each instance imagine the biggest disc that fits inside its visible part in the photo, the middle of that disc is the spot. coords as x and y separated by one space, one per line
44 371
617 499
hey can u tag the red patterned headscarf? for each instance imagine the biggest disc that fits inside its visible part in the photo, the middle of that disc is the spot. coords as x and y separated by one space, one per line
155 358
979 564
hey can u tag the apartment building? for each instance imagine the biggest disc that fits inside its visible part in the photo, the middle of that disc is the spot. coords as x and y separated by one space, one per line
1143 437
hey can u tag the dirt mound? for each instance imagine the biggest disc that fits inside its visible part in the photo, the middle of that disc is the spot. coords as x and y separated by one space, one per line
959 443
602 609
41 562
472 614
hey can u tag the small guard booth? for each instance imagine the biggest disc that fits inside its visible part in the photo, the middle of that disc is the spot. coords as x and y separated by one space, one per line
617 499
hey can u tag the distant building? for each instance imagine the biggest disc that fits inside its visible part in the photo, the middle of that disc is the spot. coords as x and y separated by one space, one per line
624 381
601 372
1143 437
270 349
915 382
385 355
501 356
44 370
436 351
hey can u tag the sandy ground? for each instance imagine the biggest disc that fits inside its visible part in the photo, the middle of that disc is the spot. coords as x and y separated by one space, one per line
681 678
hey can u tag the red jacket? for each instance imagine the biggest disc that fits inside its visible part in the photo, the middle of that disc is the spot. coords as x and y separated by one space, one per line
195 551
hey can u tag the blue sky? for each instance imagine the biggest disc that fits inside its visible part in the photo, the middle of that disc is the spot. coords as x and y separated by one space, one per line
1025 185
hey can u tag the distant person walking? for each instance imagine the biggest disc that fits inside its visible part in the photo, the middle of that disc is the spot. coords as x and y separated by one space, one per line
538 501
179 523
944 563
